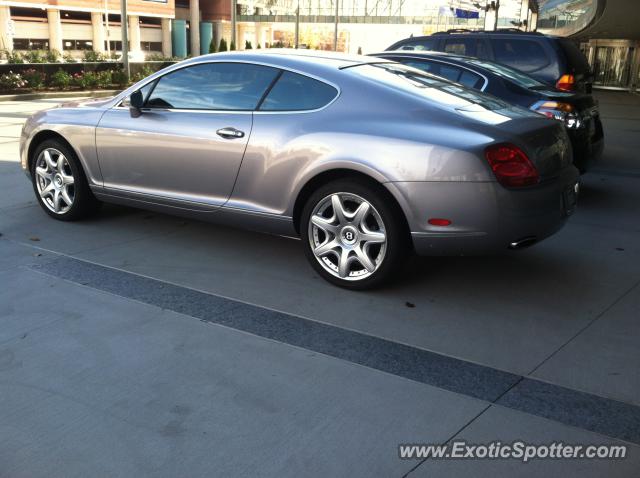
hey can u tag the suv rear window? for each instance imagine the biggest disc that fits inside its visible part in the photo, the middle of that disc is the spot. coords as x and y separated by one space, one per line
575 58
525 55
427 44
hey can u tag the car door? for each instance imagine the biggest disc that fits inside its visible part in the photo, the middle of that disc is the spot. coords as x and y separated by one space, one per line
187 145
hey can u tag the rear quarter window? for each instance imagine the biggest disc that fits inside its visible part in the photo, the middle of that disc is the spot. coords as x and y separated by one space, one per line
293 92
524 55
576 60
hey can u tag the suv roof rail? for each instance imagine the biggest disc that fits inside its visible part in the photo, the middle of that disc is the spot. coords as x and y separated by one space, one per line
499 30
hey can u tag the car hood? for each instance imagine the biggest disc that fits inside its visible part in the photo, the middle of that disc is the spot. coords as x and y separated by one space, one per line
87 103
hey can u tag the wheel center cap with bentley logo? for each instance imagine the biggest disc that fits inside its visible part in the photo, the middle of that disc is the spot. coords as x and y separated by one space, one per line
349 235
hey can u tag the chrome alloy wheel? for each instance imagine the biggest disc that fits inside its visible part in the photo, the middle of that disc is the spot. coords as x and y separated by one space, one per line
54 180
347 236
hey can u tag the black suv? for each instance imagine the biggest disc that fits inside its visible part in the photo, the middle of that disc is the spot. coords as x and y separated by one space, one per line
552 60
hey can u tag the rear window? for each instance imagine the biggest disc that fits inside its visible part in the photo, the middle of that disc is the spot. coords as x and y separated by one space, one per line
461 46
293 92
525 55
427 44
450 72
433 88
577 61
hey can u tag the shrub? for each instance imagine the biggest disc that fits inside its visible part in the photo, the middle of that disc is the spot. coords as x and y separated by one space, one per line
68 58
212 46
119 77
248 45
104 79
232 46
142 74
258 46
60 79
223 45
34 56
11 81
93 56
85 80
34 78
53 56
13 56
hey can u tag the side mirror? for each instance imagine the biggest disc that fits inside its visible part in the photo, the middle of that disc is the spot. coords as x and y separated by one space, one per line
136 102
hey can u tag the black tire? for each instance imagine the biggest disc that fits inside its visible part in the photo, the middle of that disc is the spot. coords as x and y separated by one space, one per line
84 203
397 236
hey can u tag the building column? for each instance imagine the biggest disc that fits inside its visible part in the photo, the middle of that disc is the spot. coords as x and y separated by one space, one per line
258 35
97 25
6 38
134 33
218 29
533 24
167 51
240 34
179 38
206 35
55 30
194 26
524 13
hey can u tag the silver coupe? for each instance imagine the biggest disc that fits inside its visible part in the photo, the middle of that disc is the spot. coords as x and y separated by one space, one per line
365 159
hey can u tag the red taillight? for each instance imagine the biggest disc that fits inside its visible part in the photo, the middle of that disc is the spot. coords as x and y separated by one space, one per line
511 166
566 83
437 221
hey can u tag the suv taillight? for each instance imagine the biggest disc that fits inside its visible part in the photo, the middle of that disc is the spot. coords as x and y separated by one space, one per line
566 83
511 166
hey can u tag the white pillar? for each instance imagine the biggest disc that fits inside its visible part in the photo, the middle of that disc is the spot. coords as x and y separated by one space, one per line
6 39
524 14
134 33
97 25
55 30
258 30
218 30
167 50
194 26
490 20
533 24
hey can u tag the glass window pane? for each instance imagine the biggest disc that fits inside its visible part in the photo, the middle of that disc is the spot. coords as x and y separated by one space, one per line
470 79
213 86
525 55
295 92
461 46
426 45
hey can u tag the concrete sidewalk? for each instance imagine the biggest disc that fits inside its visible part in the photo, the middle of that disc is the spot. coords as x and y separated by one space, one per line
156 366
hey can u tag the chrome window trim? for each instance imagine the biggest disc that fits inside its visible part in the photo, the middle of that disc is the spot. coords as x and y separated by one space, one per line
486 80
155 76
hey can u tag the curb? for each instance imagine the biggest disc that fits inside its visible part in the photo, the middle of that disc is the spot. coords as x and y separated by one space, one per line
59 94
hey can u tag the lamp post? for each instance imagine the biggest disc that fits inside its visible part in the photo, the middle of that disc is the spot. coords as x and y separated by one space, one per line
297 39
335 32
124 29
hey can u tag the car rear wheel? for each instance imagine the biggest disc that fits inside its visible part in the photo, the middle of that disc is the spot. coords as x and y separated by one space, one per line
59 182
352 235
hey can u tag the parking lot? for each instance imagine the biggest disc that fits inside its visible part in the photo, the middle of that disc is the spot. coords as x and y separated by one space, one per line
138 343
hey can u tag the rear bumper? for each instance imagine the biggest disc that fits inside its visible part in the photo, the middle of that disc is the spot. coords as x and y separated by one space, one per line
587 145
485 217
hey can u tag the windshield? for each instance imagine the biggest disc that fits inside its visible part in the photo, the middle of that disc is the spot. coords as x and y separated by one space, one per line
521 79
425 85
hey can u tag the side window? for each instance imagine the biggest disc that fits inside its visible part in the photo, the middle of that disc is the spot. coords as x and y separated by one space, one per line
461 46
293 92
428 44
145 92
471 80
426 66
524 55
449 72
213 86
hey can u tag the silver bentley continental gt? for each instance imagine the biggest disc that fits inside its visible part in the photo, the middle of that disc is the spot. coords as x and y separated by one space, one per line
365 159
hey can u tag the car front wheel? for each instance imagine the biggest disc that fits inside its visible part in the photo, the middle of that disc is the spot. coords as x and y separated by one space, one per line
59 182
352 234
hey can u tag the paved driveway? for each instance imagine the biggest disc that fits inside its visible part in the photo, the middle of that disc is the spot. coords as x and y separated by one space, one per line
138 344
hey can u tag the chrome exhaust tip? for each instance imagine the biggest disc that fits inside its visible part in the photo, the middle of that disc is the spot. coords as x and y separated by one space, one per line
524 242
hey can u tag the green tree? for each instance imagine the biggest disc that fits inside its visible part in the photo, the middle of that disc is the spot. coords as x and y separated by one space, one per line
223 45
248 45
212 46
258 47
232 46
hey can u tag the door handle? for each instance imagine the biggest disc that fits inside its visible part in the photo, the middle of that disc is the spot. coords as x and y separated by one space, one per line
230 133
